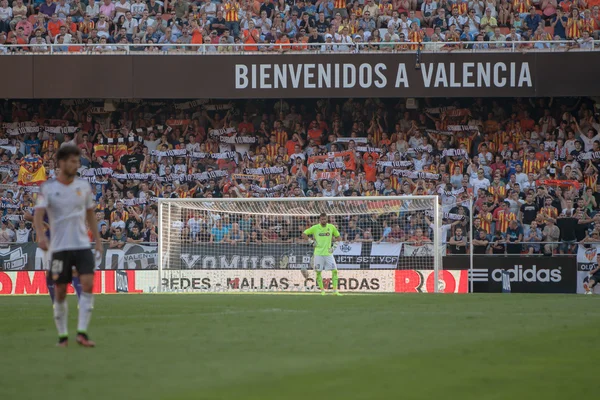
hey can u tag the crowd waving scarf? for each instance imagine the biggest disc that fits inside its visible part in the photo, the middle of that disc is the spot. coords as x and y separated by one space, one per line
228 155
557 182
328 166
263 190
23 128
91 174
183 178
438 132
416 175
462 128
439 110
238 139
362 140
395 164
264 171
456 113
367 149
455 153
325 157
451 193
259 178
590 155
178 123
328 175
31 171
189 104
221 132
450 216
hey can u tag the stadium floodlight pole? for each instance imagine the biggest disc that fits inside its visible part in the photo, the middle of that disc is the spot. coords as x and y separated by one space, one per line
471 211
437 250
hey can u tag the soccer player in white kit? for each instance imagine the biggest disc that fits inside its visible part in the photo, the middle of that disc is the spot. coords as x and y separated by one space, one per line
69 203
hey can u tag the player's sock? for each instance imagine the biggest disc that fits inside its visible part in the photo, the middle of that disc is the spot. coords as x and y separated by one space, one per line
334 280
50 285
320 280
61 316
86 304
77 286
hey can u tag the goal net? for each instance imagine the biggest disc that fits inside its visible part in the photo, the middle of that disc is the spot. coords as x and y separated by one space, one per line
239 244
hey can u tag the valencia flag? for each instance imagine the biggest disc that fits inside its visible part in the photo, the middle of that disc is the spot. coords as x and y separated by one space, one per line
117 150
32 171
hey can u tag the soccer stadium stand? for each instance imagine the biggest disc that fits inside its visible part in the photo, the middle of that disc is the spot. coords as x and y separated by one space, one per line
284 25
532 161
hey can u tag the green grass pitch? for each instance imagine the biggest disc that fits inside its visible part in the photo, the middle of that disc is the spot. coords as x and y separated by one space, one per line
264 347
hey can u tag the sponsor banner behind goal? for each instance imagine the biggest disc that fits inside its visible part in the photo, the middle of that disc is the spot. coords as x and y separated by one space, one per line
34 282
422 281
292 256
535 274
27 257
243 280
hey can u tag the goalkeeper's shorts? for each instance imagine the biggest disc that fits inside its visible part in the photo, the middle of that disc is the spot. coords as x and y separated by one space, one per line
324 263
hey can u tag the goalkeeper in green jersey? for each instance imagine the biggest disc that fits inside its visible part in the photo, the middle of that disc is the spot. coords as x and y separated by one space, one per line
322 238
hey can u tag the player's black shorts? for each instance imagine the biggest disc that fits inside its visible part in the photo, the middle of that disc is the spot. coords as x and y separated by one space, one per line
596 277
61 267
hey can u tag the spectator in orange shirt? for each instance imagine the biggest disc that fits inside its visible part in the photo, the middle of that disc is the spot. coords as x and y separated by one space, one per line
370 170
566 6
20 37
196 33
284 44
250 36
322 124
291 144
245 126
419 238
54 26
315 133
527 123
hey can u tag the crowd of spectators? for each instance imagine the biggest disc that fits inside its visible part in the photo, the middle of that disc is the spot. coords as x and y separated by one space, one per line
284 25
529 166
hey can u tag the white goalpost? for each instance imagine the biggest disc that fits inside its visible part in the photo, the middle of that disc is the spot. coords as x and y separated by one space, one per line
388 244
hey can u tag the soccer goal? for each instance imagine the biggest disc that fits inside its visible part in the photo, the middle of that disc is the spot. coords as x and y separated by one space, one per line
388 244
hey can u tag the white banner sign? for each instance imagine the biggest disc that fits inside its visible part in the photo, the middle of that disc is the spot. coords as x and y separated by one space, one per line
347 255
385 255
425 250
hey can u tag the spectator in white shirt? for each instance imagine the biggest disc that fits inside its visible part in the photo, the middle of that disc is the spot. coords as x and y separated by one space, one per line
22 233
121 7
520 176
7 235
344 39
6 14
480 181
62 10
93 10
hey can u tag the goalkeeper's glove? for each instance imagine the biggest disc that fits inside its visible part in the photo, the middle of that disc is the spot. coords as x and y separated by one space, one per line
334 246
311 242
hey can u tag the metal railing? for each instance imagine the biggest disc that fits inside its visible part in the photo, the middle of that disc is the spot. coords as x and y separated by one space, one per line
295 48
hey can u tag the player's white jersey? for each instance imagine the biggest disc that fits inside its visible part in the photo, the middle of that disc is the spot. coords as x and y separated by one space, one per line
66 206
